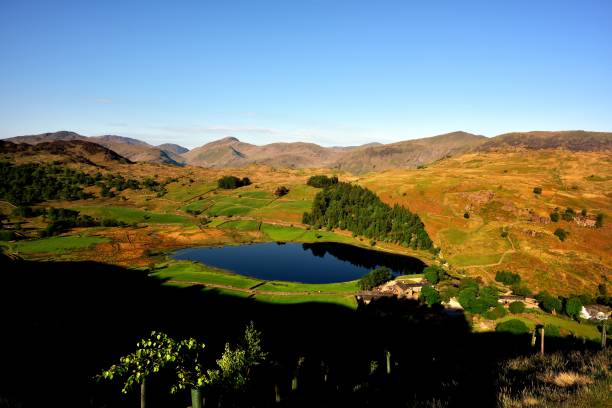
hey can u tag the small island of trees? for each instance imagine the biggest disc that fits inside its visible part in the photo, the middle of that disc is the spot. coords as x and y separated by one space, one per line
231 182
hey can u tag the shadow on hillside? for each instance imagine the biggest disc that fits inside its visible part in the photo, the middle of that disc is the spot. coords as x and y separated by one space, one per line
62 322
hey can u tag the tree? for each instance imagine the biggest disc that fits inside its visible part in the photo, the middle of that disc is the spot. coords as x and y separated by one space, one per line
322 181
429 295
599 220
507 277
549 303
281 191
434 274
573 306
561 234
232 182
375 278
516 307
537 190
237 363
151 355
513 326
554 216
569 214
466 215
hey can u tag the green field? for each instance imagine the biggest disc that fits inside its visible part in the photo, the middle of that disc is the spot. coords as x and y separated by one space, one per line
56 245
283 286
586 330
134 215
241 225
197 272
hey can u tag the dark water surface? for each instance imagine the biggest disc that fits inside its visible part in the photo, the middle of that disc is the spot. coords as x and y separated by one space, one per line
321 262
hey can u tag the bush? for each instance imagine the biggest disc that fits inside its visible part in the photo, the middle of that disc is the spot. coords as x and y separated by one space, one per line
554 216
429 295
466 215
513 326
561 233
551 331
599 220
516 307
537 190
375 278
568 214
521 290
231 182
507 277
495 313
281 191
322 181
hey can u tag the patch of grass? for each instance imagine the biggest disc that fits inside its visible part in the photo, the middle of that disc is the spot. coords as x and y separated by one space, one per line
133 215
282 286
282 233
348 301
531 319
454 236
57 245
242 225
474 259
197 272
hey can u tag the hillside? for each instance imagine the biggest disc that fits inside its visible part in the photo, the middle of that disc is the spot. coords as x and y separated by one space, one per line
411 153
133 149
496 191
65 151
574 140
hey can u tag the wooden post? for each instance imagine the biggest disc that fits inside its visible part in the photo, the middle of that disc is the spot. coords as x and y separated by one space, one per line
143 394
277 393
604 334
542 341
388 356
533 337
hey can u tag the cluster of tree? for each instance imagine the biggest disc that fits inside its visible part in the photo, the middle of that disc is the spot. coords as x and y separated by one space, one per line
561 234
359 210
508 278
183 358
28 212
375 277
156 186
322 181
231 182
569 214
435 274
281 191
63 219
32 183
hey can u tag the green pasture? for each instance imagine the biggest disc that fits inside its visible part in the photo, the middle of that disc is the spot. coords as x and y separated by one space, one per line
134 215
55 245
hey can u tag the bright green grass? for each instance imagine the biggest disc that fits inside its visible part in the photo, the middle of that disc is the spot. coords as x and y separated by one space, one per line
468 259
56 245
586 330
176 192
242 225
324 236
260 194
228 205
348 301
282 286
131 215
197 272
282 233
409 277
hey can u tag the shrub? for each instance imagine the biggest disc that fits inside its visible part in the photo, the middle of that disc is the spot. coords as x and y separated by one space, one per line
322 181
516 307
231 182
495 313
521 290
537 190
466 215
504 234
281 191
513 326
429 295
507 277
375 278
568 214
551 331
561 234
554 216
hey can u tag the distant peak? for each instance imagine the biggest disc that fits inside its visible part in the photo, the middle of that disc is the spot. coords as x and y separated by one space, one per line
229 139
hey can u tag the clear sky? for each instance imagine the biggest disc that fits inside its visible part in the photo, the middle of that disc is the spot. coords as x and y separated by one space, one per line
327 71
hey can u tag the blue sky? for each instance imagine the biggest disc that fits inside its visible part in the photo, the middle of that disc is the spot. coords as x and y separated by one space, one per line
325 71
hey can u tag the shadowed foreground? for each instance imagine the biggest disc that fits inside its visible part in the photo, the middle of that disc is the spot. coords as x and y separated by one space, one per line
65 321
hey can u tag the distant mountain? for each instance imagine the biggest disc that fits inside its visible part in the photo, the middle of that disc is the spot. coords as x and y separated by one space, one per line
133 149
410 153
75 151
173 148
231 152
574 140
